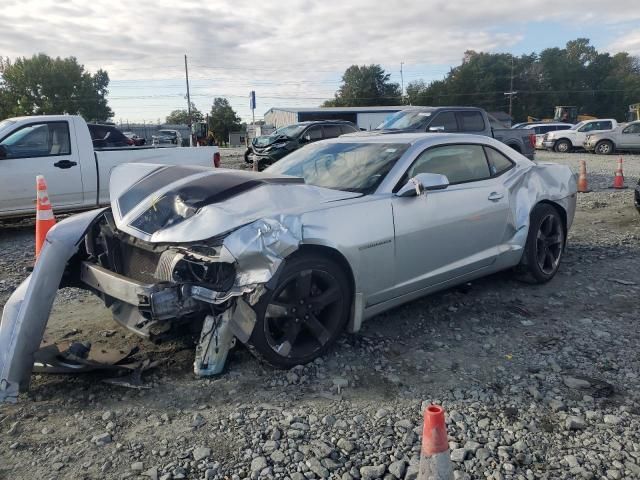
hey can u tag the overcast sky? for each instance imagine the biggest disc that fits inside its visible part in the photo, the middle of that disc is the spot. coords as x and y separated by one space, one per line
292 53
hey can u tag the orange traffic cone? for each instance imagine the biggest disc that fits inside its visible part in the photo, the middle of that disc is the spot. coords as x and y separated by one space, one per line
44 213
435 461
618 180
583 185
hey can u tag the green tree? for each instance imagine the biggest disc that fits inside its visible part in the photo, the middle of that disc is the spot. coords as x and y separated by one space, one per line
596 82
44 85
222 120
181 117
365 85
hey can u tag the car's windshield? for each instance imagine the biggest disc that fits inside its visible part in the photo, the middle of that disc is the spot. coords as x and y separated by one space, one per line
578 125
166 132
353 167
289 131
406 120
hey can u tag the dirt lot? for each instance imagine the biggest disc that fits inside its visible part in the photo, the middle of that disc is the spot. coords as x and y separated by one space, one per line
538 381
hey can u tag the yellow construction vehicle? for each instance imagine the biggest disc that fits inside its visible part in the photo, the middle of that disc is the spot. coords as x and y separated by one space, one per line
634 112
563 113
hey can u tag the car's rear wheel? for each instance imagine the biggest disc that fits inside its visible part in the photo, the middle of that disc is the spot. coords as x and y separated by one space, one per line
604 147
304 314
562 146
545 244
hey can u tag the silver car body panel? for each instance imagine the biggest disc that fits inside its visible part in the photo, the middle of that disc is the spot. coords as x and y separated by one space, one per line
396 249
27 311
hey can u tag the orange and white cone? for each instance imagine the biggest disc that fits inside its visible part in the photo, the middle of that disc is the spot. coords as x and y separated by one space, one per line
435 461
618 180
44 213
583 185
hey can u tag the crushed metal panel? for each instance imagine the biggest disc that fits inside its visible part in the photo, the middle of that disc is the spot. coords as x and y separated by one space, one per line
27 311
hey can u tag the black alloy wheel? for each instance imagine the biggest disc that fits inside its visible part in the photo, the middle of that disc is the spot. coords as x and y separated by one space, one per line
304 314
549 244
545 244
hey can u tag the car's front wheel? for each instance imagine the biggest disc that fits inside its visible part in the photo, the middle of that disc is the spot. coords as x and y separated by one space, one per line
562 146
604 147
304 314
545 244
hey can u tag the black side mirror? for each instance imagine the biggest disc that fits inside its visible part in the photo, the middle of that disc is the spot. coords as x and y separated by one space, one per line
3 152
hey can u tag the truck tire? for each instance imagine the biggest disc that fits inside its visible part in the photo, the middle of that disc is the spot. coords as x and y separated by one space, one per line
562 146
604 147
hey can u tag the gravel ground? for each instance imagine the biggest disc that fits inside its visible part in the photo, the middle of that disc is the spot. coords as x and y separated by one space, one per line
538 381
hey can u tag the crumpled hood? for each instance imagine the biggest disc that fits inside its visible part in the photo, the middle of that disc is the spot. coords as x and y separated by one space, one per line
159 203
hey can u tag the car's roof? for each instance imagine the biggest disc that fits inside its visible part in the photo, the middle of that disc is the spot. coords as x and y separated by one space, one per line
553 124
421 138
313 122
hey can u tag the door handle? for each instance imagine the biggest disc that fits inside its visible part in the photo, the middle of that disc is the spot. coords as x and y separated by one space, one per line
65 164
495 196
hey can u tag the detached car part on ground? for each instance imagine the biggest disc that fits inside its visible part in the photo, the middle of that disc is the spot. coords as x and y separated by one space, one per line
285 260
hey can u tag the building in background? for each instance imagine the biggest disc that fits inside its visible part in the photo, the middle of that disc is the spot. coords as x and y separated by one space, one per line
237 139
366 118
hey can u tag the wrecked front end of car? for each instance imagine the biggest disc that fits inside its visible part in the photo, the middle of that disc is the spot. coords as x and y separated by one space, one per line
164 259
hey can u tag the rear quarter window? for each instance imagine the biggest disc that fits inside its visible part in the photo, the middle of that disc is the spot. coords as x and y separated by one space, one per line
332 131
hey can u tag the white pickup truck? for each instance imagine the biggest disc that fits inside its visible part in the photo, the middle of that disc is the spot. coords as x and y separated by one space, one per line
567 140
60 148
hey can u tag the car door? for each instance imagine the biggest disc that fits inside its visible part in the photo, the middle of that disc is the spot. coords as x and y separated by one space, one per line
444 121
629 138
447 233
312 134
39 148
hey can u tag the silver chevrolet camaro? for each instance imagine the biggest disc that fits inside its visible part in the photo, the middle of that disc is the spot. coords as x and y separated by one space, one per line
286 259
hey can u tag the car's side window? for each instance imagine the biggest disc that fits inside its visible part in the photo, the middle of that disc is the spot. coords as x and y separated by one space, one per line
635 128
348 129
460 163
332 131
38 140
314 133
605 126
588 127
471 121
498 163
447 120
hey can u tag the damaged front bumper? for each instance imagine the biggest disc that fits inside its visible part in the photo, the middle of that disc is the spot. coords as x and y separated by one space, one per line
212 283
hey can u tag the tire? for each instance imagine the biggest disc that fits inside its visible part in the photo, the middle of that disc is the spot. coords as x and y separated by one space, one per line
545 245
562 146
605 147
293 326
246 156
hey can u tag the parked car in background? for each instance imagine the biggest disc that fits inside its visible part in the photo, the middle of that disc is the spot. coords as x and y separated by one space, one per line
457 120
287 259
137 141
271 148
62 148
167 137
568 140
541 129
625 137
636 196
108 136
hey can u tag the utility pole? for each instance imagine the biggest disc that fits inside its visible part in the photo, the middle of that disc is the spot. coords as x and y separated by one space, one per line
401 83
511 93
186 74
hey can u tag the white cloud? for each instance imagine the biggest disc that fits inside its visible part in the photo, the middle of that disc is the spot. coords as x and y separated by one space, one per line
291 48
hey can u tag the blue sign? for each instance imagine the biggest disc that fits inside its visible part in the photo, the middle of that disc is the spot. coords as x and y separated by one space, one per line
252 100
